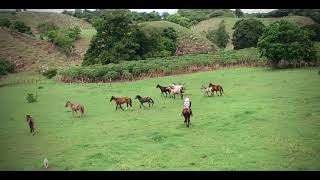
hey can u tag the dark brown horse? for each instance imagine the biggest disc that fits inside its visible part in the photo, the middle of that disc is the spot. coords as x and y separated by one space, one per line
163 89
75 107
186 114
216 88
31 124
122 100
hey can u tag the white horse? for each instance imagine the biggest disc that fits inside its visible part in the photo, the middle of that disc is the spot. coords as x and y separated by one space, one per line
176 89
207 90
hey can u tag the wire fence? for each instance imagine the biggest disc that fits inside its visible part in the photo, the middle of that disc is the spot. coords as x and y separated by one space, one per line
12 82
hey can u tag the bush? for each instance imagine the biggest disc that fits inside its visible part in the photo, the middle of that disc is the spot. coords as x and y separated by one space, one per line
50 73
283 40
6 67
220 37
43 28
4 22
31 98
21 27
178 19
167 65
246 33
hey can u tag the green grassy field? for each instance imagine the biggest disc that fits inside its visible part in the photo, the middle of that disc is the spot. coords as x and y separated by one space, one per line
267 120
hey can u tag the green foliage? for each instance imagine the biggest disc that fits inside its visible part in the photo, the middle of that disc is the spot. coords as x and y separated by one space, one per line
167 65
118 38
144 16
314 30
63 38
178 19
21 27
46 26
4 22
220 36
312 13
70 13
197 15
283 40
239 13
6 67
31 98
165 15
246 33
50 73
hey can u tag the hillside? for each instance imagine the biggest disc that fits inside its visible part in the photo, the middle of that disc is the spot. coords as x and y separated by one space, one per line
30 52
203 26
188 42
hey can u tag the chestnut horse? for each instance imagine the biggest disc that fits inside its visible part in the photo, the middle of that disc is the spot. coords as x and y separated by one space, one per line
186 114
31 124
216 88
163 90
75 107
122 100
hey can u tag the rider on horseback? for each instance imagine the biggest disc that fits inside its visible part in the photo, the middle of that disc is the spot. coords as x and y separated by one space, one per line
187 105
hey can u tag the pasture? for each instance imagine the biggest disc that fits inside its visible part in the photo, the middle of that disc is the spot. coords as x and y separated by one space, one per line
266 120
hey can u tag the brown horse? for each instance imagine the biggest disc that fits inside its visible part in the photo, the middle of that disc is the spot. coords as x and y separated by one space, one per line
31 124
186 114
75 107
122 100
216 88
163 90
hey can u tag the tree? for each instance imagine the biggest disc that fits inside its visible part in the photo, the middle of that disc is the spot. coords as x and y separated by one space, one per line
246 33
114 40
239 13
165 15
314 30
77 13
283 40
220 37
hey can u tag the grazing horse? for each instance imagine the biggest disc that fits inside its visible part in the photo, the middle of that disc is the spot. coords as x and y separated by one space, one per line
122 100
175 91
31 124
186 114
207 90
144 100
216 88
163 90
75 107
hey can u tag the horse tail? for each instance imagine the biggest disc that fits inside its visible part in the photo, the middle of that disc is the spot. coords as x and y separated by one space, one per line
82 109
130 102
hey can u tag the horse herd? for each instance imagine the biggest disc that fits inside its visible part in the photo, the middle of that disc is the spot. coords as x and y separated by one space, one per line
172 91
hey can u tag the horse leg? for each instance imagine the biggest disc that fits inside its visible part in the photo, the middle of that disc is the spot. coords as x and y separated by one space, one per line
181 96
149 104
117 106
121 107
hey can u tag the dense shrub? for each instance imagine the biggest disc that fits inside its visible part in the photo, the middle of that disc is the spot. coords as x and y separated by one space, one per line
246 33
220 36
4 22
6 67
63 38
178 19
21 27
50 73
166 65
283 40
314 29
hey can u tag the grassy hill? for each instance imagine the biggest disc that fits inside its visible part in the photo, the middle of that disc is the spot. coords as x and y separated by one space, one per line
266 120
204 26
32 52
189 42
